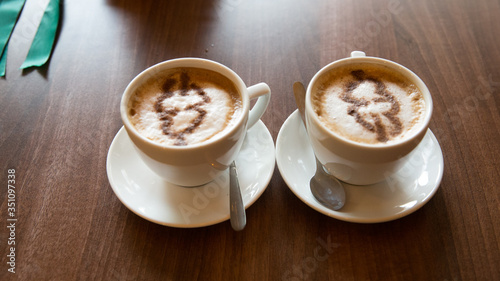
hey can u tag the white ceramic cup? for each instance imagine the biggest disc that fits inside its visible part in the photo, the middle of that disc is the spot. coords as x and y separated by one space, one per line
358 163
196 164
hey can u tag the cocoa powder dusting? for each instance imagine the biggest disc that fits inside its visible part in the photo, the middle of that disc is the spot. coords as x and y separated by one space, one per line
167 115
377 125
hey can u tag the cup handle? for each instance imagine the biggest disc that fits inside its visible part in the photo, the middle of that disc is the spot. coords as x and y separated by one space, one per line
263 92
356 54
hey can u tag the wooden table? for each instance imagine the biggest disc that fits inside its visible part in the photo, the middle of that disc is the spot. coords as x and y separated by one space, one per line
58 121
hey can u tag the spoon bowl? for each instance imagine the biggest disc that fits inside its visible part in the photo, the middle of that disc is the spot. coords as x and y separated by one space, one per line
327 189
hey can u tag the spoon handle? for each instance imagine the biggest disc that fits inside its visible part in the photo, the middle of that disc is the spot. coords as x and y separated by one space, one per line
300 98
237 209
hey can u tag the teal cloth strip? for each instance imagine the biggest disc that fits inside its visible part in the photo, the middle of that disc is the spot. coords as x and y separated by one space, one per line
43 42
9 13
3 62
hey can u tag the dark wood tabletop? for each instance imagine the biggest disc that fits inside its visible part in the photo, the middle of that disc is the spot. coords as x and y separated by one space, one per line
57 123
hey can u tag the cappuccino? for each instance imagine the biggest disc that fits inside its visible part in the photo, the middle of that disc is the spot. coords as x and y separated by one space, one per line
368 103
184 106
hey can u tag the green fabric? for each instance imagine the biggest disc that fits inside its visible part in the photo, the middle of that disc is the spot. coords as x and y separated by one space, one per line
43 42
9 13
3 62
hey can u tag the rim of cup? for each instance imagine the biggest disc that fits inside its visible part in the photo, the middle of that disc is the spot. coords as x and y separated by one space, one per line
356 58
189 62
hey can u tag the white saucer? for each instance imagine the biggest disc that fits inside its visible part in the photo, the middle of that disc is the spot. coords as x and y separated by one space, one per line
150 197
398 196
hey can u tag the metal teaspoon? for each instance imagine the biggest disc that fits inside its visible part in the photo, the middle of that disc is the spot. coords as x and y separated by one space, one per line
237 209
325 188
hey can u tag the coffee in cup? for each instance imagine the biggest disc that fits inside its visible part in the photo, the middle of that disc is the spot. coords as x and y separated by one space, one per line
364 116
368 103
188 118
184 106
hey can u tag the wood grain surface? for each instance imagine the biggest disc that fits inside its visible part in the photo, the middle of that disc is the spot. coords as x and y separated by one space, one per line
58 121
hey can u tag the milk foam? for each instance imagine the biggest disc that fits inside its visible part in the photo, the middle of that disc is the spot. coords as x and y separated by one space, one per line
368 105
206 108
